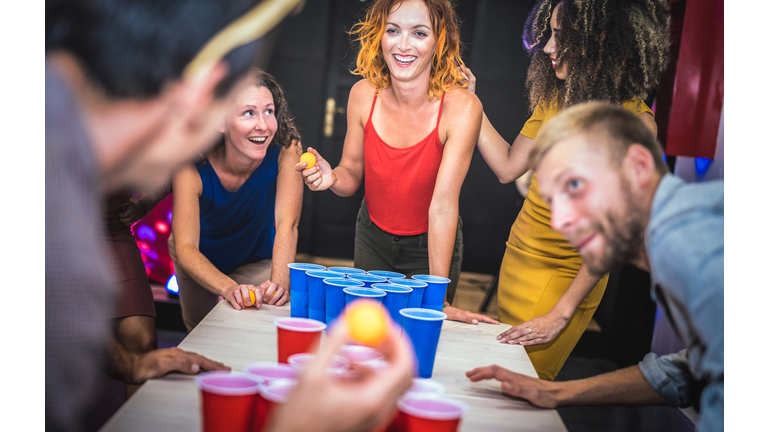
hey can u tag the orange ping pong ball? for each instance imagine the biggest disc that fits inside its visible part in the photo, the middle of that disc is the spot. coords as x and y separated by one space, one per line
368 324
309 158
253 297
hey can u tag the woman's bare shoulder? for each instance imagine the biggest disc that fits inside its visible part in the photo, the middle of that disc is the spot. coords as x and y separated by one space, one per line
460 101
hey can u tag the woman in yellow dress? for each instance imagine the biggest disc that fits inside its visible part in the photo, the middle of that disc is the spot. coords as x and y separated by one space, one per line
607 50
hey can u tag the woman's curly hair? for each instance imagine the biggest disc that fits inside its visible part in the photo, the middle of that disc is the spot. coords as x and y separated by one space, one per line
287 132
615 50
445 24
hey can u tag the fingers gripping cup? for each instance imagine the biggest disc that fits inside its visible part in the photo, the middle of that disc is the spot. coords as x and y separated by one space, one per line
228 400
429 412
271 395
299 294
334 296
414 301
353 293
316 290
297 335
396 299
434 294
423 327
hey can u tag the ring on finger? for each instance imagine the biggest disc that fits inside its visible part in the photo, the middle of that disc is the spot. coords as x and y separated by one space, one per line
529 331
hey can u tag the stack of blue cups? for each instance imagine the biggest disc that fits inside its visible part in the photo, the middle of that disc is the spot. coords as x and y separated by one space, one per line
414 301
316 289
299 294
367 279
334 297
347 271
396 299
434 294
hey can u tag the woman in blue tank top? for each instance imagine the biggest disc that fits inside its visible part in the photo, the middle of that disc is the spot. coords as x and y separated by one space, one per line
235 214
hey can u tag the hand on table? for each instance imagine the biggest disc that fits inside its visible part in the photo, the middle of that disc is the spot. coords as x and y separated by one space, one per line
319 177
159 362
461 315
274 293
239 297
536 391
323 403
469 77
537 331
131 211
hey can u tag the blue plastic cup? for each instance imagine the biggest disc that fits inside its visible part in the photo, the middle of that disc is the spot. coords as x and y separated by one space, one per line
353 293
423 327
396 299
434 294
316 289
347 271
387 274
334 297
418 290
368 279
299 295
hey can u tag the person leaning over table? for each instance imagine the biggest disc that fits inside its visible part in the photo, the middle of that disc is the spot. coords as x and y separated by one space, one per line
608 50
411 131
112 124
602 173
236 213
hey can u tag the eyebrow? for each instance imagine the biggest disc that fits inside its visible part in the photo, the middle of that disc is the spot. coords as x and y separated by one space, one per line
414 27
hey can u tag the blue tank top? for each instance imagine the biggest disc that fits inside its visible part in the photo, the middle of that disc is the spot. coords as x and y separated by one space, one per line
238 228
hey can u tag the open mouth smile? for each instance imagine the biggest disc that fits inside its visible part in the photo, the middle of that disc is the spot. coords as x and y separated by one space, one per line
257 140
404 60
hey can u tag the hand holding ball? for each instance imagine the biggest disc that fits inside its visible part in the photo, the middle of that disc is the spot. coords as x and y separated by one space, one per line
309 158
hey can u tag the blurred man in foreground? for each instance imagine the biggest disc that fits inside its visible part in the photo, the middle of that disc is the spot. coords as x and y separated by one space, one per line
133 89
603 175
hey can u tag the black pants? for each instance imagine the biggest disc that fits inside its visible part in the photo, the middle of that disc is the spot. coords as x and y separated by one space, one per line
376 249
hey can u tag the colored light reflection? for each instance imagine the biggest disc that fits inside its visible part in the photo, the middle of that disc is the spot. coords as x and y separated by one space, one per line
171 285
702 165
146 233
161 227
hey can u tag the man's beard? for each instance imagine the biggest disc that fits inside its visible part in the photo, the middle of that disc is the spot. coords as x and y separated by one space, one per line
623 235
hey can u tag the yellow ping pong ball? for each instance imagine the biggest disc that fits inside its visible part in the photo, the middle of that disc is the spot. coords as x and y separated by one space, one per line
253 297
368 324
309 158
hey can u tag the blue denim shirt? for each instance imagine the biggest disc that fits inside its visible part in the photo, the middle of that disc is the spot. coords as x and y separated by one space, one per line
684 241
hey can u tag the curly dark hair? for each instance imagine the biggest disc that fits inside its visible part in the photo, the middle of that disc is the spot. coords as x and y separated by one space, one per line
287 132
615 50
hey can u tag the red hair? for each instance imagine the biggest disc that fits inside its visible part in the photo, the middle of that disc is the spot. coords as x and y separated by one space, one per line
445 62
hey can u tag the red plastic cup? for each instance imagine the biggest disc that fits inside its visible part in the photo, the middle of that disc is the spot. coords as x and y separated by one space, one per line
271 395
228 400
429 413
426 386
302 360
297 335
270 371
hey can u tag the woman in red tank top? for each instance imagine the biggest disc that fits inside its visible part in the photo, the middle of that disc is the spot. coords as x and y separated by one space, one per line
412 130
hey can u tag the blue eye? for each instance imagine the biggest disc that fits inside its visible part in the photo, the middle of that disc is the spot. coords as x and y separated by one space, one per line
421 34
574 185
391 31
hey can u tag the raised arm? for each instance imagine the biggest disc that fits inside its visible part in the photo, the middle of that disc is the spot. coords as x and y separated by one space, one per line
187 188
287 213
348 175
461 120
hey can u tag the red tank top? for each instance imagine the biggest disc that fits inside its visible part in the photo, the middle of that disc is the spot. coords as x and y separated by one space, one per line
399 182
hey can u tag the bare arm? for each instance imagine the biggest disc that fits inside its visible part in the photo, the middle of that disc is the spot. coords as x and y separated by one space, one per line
508 162
543 329
622 387
187 188
347 176
462 118
287 213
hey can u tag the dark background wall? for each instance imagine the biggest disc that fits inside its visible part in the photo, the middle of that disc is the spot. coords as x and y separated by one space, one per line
312 61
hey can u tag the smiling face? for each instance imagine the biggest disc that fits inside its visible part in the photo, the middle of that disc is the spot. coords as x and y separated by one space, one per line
408 43
251 127
592 203
561 69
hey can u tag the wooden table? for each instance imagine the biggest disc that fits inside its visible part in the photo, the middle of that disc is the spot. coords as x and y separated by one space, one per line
236 338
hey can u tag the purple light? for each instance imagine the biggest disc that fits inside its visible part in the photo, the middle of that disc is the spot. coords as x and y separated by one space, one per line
170 213
171 285
146 233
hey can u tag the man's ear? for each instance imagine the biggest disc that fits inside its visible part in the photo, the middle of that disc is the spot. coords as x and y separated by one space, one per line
639 164
194 95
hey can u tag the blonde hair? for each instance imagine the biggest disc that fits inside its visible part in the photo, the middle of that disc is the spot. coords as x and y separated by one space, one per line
620 126
445 62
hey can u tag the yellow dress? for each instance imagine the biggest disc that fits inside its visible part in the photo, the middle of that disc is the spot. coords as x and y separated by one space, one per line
539 266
